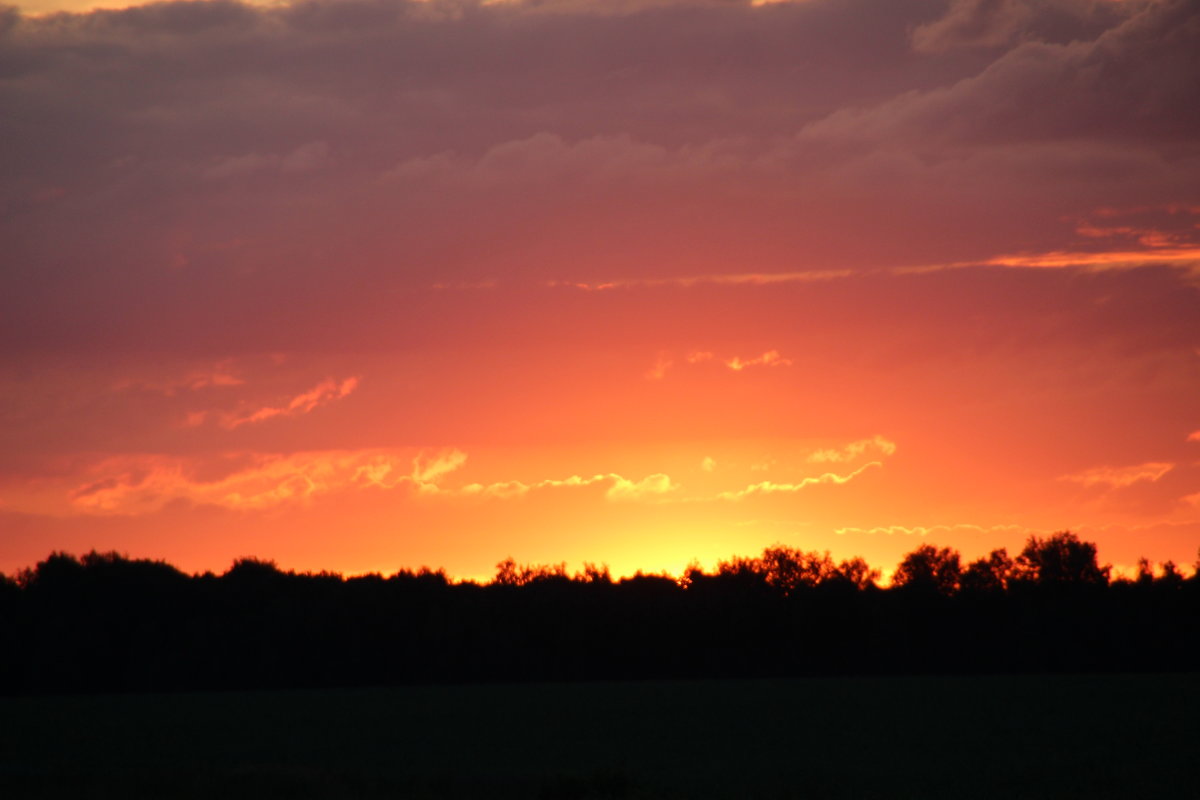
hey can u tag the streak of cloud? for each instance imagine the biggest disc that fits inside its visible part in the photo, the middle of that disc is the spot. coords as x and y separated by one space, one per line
1120 477
771 487
770 358
323 393
852 450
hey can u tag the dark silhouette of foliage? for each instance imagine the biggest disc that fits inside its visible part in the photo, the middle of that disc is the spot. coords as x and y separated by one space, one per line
929 569
990 574
855 572
1059 560
107 622
787 571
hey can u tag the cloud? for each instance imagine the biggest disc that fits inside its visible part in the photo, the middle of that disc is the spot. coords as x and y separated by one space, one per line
546 157
659 370
509 489
1194 436
323 393
1120 477
690 281
385 147
143 483
620 489
770 358
941 529
973 23
770 487
708 464
1043 90
139 484
652 486
1183 256
429 468
220 375
304 158
853 451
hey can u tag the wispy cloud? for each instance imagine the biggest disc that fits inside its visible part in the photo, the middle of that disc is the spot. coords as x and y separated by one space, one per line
771 487
304 158
689 281
926 530
323 393
770 358
428 468
219 375
1185 258
1120 477
652 486
659 370
139 484
465 285
1111 259
852 451
620 489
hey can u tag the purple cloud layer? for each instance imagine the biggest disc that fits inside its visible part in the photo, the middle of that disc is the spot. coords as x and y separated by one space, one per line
218 177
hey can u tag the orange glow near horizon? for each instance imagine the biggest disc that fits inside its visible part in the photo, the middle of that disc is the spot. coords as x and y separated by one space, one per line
642 472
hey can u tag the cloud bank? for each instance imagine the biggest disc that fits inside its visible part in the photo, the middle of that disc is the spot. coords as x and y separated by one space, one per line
236 161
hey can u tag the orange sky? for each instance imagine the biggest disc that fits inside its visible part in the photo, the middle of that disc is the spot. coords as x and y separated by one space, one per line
445 291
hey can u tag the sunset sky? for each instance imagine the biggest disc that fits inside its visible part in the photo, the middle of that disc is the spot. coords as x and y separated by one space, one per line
368 284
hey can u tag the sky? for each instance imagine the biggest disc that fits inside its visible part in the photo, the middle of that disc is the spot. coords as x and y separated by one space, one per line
360 285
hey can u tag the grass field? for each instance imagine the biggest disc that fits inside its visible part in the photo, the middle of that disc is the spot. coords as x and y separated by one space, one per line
920 737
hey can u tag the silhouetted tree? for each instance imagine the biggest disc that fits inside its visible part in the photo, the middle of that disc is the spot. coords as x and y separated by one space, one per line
989 574
1059 560
856 572
595 574
252 570
788 570
107 622
929 568
1171 576
509 573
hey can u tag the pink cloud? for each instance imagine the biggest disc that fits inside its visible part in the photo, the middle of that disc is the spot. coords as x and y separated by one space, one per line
140 484
323 393
220 375
1120 477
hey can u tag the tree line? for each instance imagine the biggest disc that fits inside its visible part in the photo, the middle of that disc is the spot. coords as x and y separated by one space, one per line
105 622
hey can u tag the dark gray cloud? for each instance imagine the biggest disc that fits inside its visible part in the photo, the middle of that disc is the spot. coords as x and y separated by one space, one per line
223 173
1135 84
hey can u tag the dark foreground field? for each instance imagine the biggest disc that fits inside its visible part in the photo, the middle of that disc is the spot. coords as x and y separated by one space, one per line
920 737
